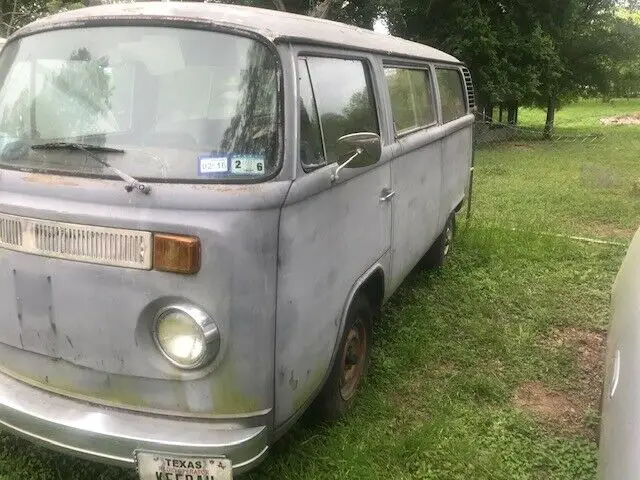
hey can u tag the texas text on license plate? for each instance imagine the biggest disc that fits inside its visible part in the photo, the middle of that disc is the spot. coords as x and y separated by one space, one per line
164 466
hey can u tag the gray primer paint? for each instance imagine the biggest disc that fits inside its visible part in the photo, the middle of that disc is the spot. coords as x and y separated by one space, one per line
281 259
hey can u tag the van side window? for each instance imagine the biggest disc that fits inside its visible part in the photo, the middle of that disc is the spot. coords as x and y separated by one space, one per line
451 94
411 98
345 99
311 148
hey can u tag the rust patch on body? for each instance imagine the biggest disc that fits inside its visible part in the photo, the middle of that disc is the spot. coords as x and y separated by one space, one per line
47 179
226 188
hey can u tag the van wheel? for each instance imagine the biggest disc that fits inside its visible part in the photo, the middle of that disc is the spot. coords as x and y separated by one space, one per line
439 251
350 366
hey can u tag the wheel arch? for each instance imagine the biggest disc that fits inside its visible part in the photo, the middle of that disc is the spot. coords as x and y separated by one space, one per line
372 284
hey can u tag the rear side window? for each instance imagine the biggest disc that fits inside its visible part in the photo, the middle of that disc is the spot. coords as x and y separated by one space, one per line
411 98
344 99
451 94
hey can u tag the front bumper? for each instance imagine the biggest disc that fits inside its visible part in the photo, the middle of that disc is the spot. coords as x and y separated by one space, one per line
111 436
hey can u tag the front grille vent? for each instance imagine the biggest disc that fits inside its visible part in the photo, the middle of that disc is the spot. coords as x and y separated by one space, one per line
83 243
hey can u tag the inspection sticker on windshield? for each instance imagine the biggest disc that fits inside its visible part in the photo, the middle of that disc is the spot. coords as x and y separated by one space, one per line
161 466
247 164
216 164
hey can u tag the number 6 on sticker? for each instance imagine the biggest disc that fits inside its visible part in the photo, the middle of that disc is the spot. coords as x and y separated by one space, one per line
247 165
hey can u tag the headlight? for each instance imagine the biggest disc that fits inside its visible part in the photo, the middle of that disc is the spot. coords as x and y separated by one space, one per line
186 336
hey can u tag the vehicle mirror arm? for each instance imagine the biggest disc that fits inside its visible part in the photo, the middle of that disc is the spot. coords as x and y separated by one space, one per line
334 175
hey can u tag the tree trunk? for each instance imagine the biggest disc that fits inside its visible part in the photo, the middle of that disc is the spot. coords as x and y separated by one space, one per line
279 4
501 113
551 117
488 114
321 10
513 114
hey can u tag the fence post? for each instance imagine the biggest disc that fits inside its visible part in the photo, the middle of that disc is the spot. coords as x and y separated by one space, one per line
473 157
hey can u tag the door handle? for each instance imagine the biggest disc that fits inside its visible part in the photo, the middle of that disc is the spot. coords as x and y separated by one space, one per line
387 194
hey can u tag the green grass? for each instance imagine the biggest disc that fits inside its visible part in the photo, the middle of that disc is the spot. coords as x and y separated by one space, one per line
585 114
573 186
453 346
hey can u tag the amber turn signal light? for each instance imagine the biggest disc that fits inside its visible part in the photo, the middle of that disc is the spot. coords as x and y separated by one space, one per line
176 253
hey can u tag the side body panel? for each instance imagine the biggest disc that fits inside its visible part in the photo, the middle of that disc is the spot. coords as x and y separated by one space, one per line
457 148
330 235
417 181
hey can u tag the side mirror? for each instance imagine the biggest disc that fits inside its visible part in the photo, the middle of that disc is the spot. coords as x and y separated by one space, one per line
357 150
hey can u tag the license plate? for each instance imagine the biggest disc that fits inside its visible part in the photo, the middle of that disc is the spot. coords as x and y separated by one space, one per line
164 466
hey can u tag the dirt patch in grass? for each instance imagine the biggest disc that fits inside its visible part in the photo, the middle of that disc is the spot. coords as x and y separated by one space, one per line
607 230
633 119
569 411
548 406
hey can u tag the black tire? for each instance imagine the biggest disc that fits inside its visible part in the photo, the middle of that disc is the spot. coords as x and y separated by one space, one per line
337 397
439 251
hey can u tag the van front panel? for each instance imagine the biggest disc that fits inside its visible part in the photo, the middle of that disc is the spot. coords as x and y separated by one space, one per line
83 329
138 128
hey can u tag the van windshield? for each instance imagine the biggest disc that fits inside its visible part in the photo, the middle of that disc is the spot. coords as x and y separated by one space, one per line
184 105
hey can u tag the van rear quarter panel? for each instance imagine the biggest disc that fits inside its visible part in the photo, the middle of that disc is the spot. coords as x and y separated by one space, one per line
457 149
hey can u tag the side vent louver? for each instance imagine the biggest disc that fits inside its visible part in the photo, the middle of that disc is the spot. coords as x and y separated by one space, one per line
470 90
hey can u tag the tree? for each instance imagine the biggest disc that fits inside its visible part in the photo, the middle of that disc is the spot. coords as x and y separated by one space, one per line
625 75
544 53
362 13
17 13
591 42
504 49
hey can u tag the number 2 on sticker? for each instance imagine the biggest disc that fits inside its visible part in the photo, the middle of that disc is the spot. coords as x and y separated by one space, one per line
248 165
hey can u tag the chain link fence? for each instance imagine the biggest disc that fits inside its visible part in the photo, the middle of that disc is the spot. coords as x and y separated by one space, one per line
489 132
601 139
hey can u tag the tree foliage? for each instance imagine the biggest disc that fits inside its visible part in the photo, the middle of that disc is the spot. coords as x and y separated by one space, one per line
17 13
543 52
362 13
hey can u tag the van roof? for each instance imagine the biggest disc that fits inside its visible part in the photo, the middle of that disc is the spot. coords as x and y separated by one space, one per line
274 25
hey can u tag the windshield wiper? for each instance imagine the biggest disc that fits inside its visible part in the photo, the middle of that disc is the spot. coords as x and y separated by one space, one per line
90 150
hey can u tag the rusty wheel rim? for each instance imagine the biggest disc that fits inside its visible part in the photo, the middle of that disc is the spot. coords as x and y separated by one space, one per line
353 360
